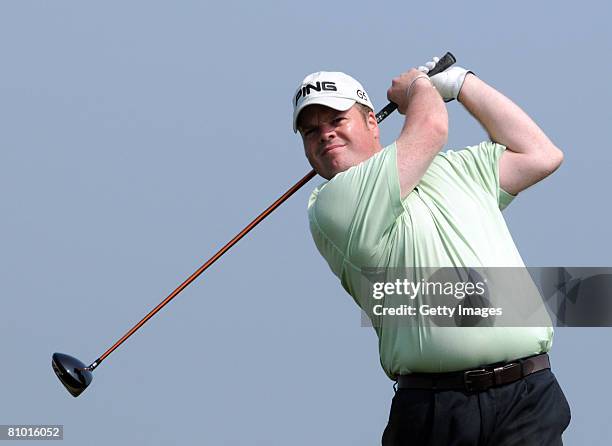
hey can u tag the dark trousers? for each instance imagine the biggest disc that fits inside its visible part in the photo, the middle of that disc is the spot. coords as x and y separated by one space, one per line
531 411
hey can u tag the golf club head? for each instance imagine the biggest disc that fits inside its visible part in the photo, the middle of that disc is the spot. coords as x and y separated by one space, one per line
73 374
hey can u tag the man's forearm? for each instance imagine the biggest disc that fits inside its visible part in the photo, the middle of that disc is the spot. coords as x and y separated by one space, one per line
424 133
425 128
503 120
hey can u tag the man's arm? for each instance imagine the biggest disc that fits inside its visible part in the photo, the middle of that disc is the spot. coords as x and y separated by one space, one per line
530 155
425 128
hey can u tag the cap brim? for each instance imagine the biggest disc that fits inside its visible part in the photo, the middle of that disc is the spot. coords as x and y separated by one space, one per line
340 104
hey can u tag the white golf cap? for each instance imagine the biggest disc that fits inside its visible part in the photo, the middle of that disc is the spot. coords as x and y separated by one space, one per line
330 88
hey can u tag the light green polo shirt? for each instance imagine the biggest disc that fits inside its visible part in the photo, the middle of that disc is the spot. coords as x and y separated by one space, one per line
452 218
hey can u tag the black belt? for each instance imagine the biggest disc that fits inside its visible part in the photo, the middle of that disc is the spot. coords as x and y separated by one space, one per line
476 380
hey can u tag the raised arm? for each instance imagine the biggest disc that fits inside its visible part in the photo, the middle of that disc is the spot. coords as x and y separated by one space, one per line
425 128
530 156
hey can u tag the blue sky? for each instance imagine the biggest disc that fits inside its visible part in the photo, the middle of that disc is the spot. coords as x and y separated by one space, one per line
138 137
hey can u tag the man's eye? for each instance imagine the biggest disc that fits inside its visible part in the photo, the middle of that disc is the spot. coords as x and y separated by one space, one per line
339 119
308 132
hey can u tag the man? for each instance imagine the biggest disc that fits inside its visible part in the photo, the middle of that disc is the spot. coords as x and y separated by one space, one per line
408 205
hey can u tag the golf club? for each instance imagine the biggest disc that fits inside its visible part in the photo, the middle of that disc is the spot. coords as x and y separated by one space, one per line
75 376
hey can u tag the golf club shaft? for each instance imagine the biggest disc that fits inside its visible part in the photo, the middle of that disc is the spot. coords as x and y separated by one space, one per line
446 61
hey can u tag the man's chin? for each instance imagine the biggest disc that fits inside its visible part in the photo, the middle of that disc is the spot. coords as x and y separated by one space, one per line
330 170
332 173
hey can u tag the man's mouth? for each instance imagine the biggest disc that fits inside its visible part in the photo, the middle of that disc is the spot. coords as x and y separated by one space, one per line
328 149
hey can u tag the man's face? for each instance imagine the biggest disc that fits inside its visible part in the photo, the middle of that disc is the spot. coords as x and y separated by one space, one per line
337 140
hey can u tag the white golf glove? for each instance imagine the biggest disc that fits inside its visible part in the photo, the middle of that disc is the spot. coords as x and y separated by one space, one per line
449 82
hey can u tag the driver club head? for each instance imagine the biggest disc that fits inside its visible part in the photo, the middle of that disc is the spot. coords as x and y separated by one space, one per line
73 374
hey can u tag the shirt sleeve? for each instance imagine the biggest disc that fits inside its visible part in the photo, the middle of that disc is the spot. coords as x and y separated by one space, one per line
481 164
353 213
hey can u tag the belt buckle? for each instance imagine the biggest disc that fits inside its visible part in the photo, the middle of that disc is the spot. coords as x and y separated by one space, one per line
469 374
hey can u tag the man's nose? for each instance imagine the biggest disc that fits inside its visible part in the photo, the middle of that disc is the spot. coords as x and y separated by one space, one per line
328 131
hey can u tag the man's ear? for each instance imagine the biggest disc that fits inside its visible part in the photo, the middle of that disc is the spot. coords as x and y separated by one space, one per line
372 124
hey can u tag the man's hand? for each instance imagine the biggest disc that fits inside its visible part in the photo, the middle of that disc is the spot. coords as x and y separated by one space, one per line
403 87
449 82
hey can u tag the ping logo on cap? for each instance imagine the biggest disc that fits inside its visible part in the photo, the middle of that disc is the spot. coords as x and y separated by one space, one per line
318 86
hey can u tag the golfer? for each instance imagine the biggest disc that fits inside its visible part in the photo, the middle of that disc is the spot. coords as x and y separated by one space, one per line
411 205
